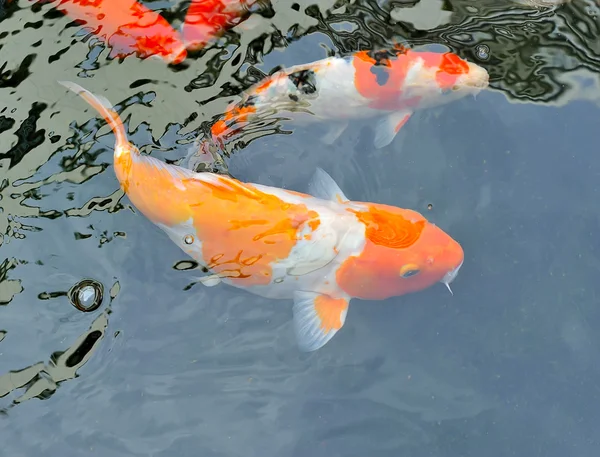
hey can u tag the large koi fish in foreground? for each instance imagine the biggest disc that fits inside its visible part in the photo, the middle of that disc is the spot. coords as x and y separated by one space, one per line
320 250
389 85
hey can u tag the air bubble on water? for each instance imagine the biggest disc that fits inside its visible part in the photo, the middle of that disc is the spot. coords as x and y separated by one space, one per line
86 295
482 51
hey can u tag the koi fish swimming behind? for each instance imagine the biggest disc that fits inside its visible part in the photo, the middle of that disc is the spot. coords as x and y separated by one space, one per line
319 250
389 84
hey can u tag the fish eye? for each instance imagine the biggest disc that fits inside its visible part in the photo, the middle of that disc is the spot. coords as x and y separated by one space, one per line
409 273
189 239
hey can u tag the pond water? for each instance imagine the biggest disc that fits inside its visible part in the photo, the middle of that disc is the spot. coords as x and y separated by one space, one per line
507 365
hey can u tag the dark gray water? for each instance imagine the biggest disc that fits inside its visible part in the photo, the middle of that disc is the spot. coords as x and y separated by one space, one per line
507 366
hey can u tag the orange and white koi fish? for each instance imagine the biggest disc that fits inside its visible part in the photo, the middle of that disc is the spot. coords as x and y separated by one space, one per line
389 85
128 27
319 250
206 20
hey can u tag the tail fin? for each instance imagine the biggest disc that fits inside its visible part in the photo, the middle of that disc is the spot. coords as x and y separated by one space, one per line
104 108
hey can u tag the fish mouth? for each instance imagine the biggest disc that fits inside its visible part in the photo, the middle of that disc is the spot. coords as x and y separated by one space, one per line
451 276
477 78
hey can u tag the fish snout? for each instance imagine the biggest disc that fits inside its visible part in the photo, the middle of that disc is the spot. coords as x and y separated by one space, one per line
451 275
453 259
477 77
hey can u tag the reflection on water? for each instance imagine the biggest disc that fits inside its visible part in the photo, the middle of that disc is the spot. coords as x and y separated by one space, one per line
42 379
62 212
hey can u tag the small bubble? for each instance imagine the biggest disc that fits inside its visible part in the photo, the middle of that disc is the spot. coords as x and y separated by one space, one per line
189 239
483 52
86 295
430 207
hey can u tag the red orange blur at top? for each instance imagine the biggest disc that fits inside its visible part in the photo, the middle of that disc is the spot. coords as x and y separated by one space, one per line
128 27
207 19
396 238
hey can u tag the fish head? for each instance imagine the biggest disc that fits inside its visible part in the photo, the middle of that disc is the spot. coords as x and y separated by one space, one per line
403 253
435 78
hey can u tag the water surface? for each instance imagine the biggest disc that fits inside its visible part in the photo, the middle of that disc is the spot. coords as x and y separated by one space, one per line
508 365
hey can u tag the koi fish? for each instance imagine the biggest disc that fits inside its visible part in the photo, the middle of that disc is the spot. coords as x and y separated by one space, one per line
128 27
320 250
206 20
388 85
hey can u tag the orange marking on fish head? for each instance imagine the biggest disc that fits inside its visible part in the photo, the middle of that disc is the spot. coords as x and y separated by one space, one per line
403 253
453 73
329 310
238 222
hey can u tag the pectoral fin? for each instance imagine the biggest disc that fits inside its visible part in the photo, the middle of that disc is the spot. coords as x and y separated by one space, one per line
317 318
389 126
209 281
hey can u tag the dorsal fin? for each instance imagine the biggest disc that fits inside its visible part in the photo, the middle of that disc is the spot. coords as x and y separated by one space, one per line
323 186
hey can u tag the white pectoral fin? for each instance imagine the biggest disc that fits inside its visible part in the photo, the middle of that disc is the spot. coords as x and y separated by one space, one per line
333 132
210 281
388 127
317 318
323 186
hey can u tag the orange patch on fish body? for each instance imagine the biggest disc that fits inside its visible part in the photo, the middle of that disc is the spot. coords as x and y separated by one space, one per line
237 222
390 229
381 76
238 113
449 67
386 86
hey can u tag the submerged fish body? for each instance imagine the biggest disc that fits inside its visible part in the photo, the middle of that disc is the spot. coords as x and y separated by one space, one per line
389 85
319 250
206 20
127 26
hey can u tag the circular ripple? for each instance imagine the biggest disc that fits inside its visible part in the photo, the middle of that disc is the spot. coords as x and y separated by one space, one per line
86 295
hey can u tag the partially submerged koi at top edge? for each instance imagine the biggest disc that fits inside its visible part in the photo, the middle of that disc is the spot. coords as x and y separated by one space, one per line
128 27
206 20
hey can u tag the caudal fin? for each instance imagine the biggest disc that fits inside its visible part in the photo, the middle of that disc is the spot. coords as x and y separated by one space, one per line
104 108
